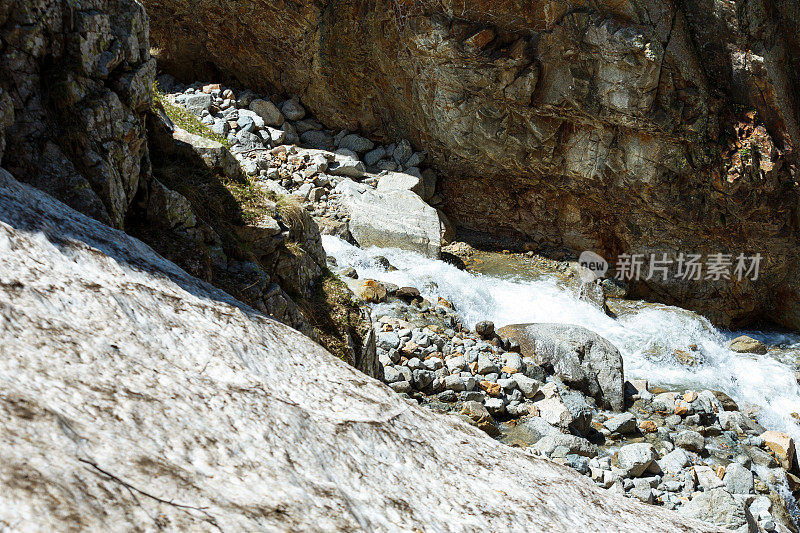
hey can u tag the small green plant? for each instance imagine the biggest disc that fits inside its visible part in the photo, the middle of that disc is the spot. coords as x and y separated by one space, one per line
185 119
744 152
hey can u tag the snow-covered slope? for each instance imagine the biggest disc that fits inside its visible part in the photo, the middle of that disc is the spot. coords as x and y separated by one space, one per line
135 396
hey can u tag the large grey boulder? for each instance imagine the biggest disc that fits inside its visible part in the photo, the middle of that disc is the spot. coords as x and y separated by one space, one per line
722 508
133 392
391 219
388 181
580 357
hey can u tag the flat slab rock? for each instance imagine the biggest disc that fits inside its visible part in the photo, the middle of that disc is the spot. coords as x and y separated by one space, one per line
135 396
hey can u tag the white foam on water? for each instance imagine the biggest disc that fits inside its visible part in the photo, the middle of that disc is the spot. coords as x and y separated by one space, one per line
645 334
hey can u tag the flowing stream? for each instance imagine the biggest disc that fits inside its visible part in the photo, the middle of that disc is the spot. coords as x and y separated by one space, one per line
646 334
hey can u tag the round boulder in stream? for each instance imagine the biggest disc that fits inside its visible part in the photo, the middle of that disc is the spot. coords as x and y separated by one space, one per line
580 357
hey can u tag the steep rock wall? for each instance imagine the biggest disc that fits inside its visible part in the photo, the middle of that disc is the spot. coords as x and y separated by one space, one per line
613 126
76 81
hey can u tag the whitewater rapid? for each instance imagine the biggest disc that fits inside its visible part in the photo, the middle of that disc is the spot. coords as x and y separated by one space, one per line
645 334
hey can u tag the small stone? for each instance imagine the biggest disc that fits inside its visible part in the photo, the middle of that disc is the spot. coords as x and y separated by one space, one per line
388 340
529 387
674 462
492 389
690 440
402 152
689 396
267 111
485 328
648 426
486 365
738 479
495 406
407 293
401 387
705 477
480 415
292 109
356 143
682 408
373 156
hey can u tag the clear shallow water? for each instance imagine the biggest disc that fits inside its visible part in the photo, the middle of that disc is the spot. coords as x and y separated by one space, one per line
646 334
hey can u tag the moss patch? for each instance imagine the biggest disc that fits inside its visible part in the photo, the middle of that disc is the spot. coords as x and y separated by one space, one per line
335 316
185 119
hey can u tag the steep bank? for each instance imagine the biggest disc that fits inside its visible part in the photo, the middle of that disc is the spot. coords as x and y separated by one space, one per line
136 396
76 89
620 127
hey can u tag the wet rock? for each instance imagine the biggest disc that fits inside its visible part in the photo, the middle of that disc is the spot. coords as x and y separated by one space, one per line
745 344
529 430
727 402
485 328
581 358
407 293
371 291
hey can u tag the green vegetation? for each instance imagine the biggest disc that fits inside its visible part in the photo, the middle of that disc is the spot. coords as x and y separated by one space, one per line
185 119
744 152
336 316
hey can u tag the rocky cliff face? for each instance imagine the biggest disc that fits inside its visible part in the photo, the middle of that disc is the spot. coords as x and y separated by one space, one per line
612 126
137 397
76 82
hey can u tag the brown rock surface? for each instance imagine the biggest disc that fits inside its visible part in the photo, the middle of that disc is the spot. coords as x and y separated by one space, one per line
612 126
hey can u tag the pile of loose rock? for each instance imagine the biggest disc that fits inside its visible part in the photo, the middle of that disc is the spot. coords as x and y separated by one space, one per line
289 152
694 451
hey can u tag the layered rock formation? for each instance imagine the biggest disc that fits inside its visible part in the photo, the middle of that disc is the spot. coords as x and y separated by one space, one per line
136 396
614 126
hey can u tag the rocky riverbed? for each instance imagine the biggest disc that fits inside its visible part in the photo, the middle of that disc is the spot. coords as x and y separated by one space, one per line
558 390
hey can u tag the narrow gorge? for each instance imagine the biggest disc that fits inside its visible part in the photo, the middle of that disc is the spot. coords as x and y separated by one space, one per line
399 265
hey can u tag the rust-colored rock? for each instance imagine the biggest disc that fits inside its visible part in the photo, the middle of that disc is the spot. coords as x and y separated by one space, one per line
648 426
782 446
492 389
